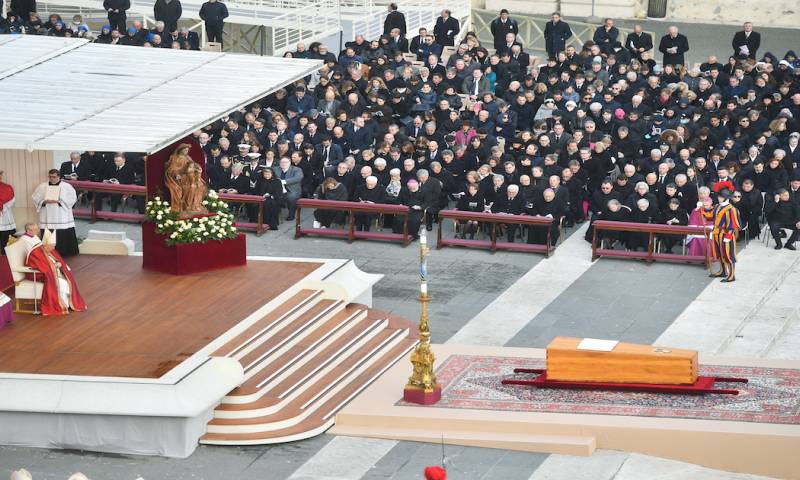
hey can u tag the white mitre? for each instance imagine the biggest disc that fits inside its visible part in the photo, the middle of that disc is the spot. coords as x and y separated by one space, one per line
21 474
49 237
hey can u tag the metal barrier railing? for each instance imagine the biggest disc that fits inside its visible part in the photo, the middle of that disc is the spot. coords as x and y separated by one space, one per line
531 30
290 21
314 20
418 13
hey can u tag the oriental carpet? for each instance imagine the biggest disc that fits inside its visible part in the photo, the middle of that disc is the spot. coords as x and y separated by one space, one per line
474 382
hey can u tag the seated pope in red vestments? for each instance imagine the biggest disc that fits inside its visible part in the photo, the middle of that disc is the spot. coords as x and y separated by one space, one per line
60 290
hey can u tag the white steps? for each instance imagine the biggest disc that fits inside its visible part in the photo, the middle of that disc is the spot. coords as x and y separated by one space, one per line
303 362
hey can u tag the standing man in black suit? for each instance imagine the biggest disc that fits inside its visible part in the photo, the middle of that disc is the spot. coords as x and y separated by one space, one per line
23 8
117 14
606 35
556 34
501 26
673 45
746 42
638 42
214 14
446 29
394 19
169 12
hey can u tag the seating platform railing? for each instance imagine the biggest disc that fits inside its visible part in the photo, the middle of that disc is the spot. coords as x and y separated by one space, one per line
94 214
258 226
495 220
352 209
652 230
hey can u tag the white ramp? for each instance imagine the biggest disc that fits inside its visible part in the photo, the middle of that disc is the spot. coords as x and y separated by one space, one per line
724 311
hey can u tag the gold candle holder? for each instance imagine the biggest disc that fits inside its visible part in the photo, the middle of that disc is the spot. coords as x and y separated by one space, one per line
422 387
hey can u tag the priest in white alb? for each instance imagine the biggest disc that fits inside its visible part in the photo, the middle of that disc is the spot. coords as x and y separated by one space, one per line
54 200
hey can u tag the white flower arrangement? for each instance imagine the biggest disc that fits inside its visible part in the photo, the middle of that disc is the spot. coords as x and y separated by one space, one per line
217 226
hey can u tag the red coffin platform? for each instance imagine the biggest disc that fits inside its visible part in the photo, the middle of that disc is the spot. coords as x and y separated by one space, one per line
184 259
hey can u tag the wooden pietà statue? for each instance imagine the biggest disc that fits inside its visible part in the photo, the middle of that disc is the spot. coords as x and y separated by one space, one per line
184 179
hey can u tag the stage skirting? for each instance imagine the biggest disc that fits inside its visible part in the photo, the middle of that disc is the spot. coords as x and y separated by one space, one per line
118 415
184 259
163 436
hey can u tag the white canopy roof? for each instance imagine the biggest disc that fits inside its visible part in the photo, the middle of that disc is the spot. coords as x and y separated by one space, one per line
68 94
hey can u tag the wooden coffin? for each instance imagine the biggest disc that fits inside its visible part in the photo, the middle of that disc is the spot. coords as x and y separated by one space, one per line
625 363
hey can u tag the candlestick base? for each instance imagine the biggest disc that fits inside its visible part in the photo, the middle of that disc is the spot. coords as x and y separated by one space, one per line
421 396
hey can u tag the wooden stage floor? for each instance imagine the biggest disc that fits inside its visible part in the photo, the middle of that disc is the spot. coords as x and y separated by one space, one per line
140 323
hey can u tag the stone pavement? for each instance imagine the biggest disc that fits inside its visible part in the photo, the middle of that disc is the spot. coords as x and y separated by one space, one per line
619 299
513 309
608 465
640 305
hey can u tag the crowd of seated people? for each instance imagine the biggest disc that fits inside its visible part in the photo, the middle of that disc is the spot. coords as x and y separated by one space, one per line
601 130
439 120
134 33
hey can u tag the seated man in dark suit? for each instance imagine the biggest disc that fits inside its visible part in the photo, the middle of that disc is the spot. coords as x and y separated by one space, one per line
547 205
120 173
327 156
370 192
783 213
235 181
291 177
359 136
431 189
511 203
75 168
217 174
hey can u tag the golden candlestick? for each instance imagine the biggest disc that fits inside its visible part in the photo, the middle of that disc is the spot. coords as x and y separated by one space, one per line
422 387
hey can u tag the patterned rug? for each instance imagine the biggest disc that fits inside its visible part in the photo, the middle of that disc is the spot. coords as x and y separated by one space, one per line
771 396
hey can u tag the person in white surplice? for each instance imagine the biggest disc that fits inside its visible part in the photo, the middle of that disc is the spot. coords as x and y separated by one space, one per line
54 200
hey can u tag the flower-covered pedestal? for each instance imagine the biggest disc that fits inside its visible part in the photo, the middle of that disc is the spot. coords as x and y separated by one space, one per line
181 244
186 258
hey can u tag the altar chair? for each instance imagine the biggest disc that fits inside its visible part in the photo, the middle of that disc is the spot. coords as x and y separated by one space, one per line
26 291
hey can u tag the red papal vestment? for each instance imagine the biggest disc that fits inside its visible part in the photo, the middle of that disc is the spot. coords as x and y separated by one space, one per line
60 290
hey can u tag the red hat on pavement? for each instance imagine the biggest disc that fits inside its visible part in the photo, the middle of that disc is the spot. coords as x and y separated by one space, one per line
435 473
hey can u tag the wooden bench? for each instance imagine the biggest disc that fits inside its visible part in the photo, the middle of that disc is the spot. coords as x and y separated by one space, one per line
93 214
651 230
351 209
494 220
258 226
